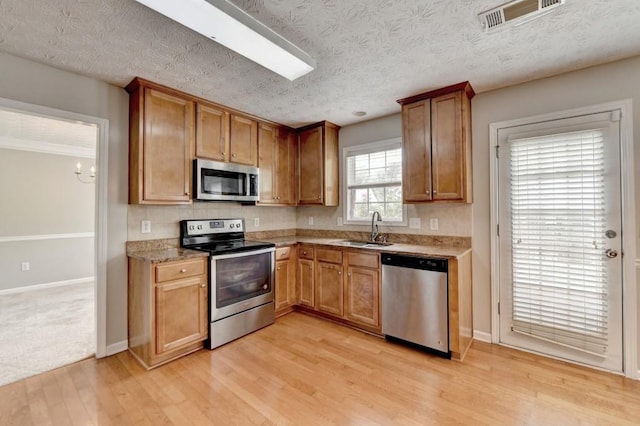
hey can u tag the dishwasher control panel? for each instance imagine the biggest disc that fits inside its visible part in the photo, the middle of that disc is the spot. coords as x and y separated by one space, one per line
415 262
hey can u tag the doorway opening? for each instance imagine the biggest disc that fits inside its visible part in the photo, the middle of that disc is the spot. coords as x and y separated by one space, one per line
51 246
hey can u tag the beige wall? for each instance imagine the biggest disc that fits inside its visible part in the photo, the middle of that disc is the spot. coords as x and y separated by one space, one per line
30 82
49 200
165 219
605 83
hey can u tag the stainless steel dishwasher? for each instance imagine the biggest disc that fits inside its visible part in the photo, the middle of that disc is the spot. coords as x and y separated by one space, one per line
415 301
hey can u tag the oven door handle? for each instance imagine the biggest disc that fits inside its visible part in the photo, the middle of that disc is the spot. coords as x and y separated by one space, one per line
244 253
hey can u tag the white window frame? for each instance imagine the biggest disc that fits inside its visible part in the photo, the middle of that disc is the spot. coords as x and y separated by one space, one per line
629 303
365 149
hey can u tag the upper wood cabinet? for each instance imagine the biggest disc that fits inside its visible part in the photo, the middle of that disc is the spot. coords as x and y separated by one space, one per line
212 132
161 140
276 161
436 142
318 164
243 140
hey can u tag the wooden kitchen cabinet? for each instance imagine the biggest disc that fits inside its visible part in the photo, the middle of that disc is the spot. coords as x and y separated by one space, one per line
167 309
306 275
329 281
285 288
317 163
243 140
362 288
212 132
436 145
161 140
276 161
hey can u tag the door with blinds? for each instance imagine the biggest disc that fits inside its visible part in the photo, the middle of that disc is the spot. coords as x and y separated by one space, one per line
560 239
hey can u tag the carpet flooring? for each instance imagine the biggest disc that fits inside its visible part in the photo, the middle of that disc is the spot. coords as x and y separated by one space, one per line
44 329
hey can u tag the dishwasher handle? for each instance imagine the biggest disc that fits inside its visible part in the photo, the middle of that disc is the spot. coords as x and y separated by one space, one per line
415 262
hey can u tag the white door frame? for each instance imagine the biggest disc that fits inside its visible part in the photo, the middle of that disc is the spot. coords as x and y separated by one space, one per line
629 302
102 178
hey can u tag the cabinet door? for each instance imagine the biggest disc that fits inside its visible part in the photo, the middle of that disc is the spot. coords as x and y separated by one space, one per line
284 295
329 297
285 167
416 151
167 147
363 296
447 147
243 140
305 281
267 163
212 133
181 313
310 166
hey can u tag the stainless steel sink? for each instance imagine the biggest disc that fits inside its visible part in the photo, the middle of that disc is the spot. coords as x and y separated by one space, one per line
354 243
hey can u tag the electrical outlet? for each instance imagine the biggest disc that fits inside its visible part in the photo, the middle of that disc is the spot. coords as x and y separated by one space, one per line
25 266
433 224
414 223
310 220
256 222
145 226
339 221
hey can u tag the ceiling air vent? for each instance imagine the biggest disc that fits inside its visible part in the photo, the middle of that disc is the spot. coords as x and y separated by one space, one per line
518 11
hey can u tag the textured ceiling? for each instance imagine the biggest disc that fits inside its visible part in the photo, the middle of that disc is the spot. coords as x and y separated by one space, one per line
369 52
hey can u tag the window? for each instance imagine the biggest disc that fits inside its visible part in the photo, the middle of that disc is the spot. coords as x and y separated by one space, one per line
373 181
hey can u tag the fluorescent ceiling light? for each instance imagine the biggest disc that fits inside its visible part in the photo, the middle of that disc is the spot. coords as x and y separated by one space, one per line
235 29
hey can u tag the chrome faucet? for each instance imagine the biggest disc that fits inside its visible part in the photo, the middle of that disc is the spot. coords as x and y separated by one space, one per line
374 228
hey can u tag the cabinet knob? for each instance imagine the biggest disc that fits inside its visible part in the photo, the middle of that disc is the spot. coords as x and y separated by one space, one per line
186 193
348 274
203 285
182 271
222 153
278 268
434 192
304 252
277 198
427 192
339 272
318 197
233 155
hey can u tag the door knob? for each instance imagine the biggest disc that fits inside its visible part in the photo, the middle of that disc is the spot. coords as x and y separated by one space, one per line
610 253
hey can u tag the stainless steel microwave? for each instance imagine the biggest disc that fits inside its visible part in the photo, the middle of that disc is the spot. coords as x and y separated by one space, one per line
217 181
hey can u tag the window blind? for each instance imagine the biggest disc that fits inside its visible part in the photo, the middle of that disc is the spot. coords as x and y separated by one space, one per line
560 289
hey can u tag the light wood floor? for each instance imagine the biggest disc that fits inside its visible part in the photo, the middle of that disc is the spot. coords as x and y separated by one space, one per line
307 371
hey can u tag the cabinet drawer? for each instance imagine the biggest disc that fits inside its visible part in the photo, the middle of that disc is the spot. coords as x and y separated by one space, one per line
283 253
305 252
329 255
367 260
182 269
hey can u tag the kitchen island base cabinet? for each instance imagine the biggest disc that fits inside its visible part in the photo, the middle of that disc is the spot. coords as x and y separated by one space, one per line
167 309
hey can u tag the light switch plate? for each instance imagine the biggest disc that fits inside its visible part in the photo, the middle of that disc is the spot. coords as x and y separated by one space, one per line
414 223
433 224
256 222
339 221
145 226
310 220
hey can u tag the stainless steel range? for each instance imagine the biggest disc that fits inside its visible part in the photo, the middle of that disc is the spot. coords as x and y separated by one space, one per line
241 277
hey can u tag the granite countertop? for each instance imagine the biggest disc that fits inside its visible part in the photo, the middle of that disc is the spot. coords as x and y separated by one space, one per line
402 248
166 254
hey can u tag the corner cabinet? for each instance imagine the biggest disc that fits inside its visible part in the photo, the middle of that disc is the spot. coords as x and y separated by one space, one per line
161 140
317 157
436 145
276 161
167 309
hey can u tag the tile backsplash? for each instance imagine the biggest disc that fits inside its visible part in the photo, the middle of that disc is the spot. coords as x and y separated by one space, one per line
453 219
165 219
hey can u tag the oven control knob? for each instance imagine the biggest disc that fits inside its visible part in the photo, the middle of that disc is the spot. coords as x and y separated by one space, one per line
191 227
265 286
199 226
233 225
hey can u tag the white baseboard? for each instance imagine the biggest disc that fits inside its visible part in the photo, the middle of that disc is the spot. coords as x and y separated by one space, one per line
46 285
481 336
117 347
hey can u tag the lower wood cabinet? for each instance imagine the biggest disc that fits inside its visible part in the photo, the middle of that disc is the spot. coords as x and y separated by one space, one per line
341 284
167 309
285 286
305 275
